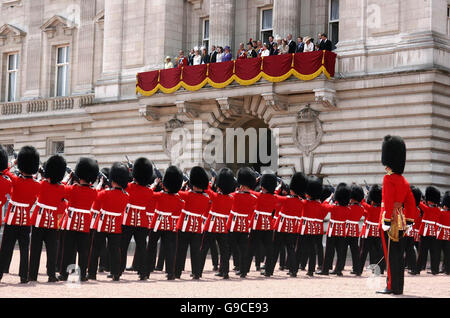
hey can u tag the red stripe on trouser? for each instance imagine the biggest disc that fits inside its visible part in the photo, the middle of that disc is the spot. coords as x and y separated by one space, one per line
386 258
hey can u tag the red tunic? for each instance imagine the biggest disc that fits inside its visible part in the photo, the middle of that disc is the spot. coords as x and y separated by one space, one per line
337 219
244 204
24 192
430 217
443 226
45 213
396 190
138 212
196 208
371 218
262 217
312 218
353 217
167 211
5 188
417 225
288 217
411 232
216 221
78 213
112 204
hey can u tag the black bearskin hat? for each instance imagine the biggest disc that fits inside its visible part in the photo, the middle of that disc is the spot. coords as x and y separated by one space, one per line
143 171
446 200
298 183
375 194
357 193
314 187
225 181
173 179
119 174
246 177
87 169
393 153
28 160
342 195
327 191
269 182
199 178
3 159
432 194
417 194
55 169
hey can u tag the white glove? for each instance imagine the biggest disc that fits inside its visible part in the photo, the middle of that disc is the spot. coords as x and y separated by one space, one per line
385 227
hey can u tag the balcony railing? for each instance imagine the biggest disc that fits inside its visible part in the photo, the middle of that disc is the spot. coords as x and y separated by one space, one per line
45 105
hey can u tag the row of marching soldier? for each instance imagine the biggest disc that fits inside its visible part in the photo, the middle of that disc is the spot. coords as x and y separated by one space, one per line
82 209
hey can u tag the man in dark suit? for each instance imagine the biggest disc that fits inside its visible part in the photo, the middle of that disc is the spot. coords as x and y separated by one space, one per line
325 44
300 45
271 42
291 43
213 55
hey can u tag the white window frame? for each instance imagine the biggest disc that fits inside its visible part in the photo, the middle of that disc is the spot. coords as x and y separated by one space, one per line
66 65
331 22
261 22
52 145
8 73
205 41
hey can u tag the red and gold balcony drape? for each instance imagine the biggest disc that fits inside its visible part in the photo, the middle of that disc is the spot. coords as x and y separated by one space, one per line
277 68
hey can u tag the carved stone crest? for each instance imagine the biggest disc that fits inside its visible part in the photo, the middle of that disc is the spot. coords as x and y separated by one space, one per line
170 126
308 130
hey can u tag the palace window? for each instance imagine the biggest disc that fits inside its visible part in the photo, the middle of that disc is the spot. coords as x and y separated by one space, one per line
56 147
11 78
333 27
62 71
205 33
266 24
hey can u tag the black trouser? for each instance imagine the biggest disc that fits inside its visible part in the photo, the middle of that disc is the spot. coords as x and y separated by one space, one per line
340 244
352 242
394 252
160 263
239 242
75 242
224 250
234 251
214 253
300 256
282 253
445 246
373 246
169 243
281 240
429 243
256 239
99 241
140 237
309 250
410 254
194 242
59 248
39 236
11 234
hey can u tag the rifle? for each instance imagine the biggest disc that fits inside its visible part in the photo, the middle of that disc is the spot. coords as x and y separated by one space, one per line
366 185
129 163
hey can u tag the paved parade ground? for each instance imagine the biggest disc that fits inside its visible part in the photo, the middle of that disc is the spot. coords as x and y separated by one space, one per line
255 286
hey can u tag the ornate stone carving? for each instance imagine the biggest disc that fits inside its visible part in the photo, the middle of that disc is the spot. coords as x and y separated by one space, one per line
277 102
187 109
308 130
16 34
326 96
50 27
149 113
170 126
230 106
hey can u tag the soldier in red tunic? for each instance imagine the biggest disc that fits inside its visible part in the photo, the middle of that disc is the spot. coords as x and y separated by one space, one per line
443 231
196 205
336 230
410 253
428 242
17 220
261 221
135 220
398 206
286 223
112 204
77 218
311 226
239 219
168 206
215 228
352 226
5 181
370 235
45 218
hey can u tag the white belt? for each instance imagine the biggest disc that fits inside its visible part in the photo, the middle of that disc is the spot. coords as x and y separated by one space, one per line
131 206
352 222
110 213
428 222
191 213
233 222
239 214
175 217
334 221
186 218
263 213
150 214
332 226
18 204
289 216
47 207
371 223
219 215
312 220
163 213
426 226
79 210
444 226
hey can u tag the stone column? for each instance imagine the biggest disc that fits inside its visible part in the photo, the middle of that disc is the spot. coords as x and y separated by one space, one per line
286 15
221 23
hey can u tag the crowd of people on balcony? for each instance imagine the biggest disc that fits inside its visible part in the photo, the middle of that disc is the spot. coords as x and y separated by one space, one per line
253 49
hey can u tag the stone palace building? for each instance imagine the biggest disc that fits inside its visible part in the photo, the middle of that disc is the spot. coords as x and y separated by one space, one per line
68 81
